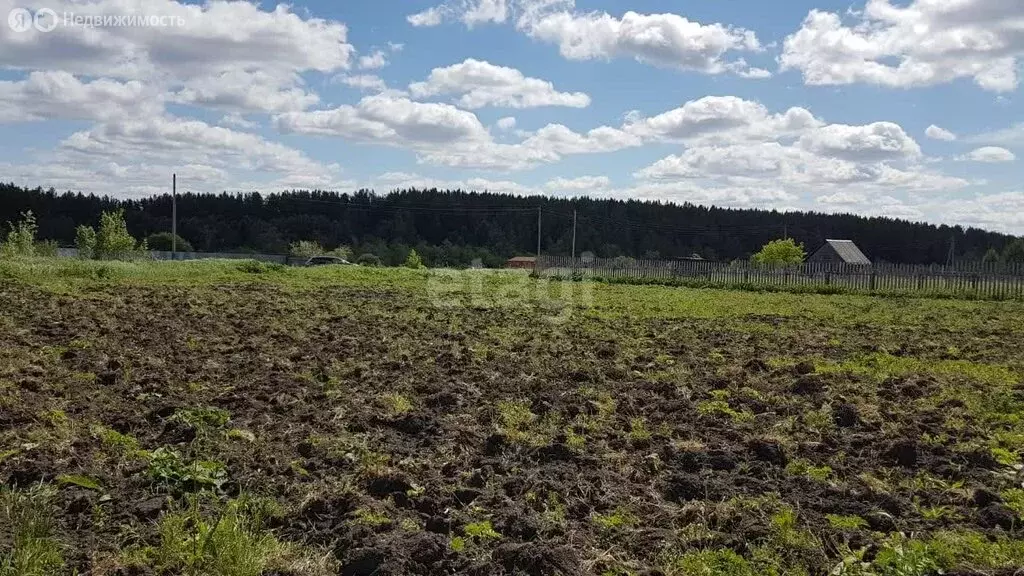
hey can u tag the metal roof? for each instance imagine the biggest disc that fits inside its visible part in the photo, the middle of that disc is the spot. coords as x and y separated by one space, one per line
848 251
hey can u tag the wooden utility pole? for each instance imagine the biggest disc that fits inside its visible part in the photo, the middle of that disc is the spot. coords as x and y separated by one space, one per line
174 216
574 237
537 262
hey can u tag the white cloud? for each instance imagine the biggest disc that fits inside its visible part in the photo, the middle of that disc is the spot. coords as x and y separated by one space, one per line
238 121
396 46
665 40
214 38
50 95
243 91
390 120
936 133
374 60
721 118
874 142
484 84
429 17
1012 136
989 154
367 82
922 43
506 123
580 185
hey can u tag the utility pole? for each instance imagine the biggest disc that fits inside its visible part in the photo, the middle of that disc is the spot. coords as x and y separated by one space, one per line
537 262
574 237
951 260
174 216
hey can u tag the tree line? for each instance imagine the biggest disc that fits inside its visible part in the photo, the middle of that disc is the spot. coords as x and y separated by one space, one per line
455 227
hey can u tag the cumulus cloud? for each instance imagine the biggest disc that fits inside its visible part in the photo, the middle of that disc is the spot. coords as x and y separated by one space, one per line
579 185
989 154
373 60
923 43
506 123
366 82
213 38
244 91
936 133
721 118
51 95
666 40
481 84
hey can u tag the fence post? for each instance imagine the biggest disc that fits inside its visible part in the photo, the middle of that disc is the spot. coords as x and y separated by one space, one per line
872 278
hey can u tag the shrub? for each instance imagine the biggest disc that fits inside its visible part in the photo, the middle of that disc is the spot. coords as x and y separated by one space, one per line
305 249
368 259
85 241
413 260
165 241
781 253
113 241
21 240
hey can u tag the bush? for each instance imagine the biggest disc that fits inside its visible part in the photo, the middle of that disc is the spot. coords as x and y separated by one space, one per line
413 260
85 241
781 253
113 242
21 240
368 259
46 248
164 241
305 249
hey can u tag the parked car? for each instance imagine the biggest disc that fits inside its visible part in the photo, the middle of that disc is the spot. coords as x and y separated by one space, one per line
327 261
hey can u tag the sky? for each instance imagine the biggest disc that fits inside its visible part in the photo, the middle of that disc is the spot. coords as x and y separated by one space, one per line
902 108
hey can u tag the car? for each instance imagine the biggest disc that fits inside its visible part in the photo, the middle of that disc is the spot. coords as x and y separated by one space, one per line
327 261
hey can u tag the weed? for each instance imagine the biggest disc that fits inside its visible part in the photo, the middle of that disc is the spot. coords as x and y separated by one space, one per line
847 523
29 516
166 467
621 518
371 518
457 544
710 563
80 481
638 431
397 404
800 467
235 543
481 531
722 408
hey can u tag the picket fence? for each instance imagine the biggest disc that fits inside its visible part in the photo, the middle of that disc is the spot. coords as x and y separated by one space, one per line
979 280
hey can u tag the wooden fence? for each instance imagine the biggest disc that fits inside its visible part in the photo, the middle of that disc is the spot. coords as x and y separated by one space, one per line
990 281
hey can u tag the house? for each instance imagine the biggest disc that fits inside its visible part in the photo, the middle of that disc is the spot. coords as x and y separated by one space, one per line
526 262
843 251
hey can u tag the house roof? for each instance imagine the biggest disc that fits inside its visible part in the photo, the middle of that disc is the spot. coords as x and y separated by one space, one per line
523 259
847 251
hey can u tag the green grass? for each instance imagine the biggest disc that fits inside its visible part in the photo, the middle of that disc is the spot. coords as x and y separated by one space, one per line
28 515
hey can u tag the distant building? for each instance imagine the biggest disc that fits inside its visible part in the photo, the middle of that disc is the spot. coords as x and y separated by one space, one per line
527 262
843 251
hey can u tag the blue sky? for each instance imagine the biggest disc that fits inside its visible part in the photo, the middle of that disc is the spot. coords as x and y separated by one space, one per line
902 108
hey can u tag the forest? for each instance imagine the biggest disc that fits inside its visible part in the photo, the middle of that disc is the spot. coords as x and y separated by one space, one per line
453 227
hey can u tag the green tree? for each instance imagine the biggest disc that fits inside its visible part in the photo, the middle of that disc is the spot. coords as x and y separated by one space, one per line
306 249
990 257
113 241
1014 252
85 241
21 240
781 253
413 260
164 241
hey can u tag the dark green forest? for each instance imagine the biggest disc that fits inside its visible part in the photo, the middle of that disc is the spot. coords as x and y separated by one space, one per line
452 226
